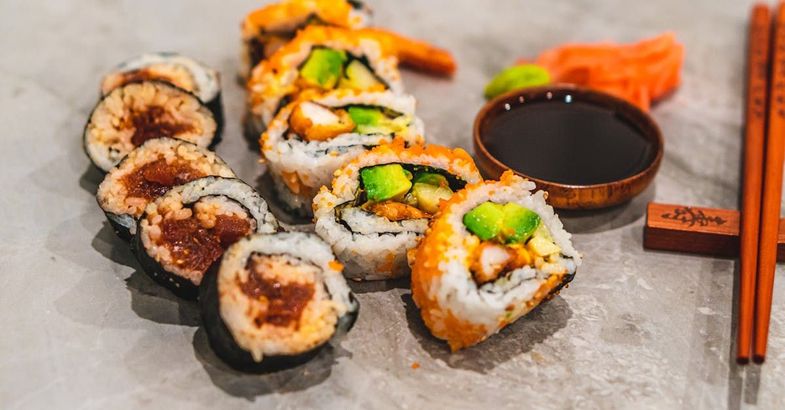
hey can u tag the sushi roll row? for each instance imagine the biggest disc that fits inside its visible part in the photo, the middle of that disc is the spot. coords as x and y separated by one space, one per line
269 299
343 144
182 209
151 96
326 89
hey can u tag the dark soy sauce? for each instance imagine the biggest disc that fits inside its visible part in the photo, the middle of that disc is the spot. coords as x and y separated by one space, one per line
568 142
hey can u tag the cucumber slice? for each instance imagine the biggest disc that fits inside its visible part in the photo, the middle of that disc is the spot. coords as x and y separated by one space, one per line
360 77
429 196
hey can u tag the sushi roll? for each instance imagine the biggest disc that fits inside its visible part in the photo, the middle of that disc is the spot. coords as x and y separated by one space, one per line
181 233
311 138
267 29
133 113
320 59
148 172
178 70
380 204
274 301
494 252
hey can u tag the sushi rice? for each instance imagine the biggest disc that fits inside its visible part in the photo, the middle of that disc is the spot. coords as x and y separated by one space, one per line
299 167
453 305
275 297
373 247
149 171
131 114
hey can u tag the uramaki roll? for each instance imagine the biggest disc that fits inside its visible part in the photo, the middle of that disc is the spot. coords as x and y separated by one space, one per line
131 114
267 29
311 138
178 70
321 59
148 172
275 300
183 232
493 253
380 204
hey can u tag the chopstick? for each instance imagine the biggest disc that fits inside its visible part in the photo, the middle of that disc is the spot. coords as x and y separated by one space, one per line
772 190
755 128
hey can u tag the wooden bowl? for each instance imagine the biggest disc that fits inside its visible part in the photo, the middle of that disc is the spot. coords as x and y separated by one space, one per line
566 196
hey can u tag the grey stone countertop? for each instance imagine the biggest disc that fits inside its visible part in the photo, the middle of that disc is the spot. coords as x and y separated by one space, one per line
82 327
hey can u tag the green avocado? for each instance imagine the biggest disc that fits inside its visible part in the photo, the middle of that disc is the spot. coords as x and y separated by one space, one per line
359 77
384 182
515 77
485 220
324 67
371 120
428 196
431 178
519 223
366 116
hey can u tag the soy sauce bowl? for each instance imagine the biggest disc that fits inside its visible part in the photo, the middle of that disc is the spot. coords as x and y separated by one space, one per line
545 133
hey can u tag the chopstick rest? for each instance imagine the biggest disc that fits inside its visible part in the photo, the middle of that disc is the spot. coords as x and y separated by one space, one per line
698 230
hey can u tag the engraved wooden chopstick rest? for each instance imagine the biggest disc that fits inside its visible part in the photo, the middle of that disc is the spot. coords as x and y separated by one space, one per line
697 230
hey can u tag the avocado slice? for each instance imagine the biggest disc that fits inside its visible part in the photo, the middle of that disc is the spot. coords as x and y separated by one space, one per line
384 182
485 220
519 223
371 120
366 115
431 178
324 67
359 77
428 196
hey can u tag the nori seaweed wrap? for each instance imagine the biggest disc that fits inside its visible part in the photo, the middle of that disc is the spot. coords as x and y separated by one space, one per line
274 301
183 232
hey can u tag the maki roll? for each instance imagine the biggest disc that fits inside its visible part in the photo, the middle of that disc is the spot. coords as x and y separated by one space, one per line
133 113
148 172
274 301
181 233
493 253
381 202
267 29
311 138
321 59
178 70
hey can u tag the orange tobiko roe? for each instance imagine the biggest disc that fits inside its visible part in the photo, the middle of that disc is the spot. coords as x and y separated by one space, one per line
640 73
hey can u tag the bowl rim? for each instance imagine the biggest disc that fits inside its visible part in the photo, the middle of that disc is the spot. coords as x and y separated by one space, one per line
602 99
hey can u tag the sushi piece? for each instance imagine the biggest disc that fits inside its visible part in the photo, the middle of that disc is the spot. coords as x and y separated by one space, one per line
148 172
494 252
131 114
267 29
322 58
178 70
311 138
380 204
274 301
183 232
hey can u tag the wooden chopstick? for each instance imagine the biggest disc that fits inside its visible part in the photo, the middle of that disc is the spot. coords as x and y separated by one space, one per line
772 190
755 128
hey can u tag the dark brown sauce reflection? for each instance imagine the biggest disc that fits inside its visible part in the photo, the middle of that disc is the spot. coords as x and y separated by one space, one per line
568 142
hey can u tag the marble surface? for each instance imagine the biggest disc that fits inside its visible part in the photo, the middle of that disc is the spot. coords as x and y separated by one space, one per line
82 327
